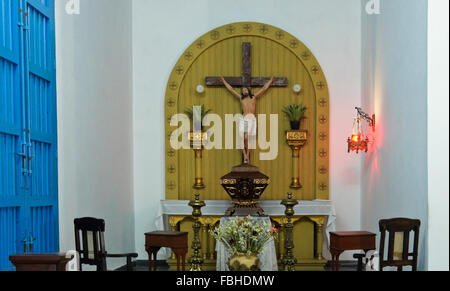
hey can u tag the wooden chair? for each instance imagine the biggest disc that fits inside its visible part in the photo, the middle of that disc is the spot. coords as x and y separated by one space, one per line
93 251
396 225
405 226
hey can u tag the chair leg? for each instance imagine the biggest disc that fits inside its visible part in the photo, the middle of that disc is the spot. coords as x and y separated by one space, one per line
360 259
129 265
360 265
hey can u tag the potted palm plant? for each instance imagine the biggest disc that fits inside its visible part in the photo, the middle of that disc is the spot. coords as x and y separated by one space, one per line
203 112
295 113
244 239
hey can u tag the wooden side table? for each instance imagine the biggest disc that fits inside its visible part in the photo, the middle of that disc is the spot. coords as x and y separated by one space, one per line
351 240
177 241
40 262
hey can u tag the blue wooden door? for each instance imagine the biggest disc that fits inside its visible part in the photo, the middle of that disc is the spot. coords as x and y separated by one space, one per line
12 135
41 86
28 148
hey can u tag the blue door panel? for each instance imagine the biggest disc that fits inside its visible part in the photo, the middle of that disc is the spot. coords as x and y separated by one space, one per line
8 148
42 123
12 197
11 200
42 222
28 148
9 224
8 29
41 106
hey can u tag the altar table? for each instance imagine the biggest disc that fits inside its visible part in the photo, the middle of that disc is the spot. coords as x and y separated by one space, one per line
271 208
173 213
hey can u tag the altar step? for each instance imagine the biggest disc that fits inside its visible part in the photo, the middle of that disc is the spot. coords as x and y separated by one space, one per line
142 266
303 265
162 266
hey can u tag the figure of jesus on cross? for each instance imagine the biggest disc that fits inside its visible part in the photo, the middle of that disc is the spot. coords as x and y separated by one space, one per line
247 122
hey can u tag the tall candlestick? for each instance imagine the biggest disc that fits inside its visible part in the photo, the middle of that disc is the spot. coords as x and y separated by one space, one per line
196 260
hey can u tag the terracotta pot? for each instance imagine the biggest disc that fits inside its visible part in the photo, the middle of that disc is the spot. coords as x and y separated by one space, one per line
240 262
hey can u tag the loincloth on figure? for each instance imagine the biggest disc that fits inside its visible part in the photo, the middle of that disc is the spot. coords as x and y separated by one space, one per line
248 124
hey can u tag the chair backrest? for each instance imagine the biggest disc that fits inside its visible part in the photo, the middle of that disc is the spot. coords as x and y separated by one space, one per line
399 254
90 242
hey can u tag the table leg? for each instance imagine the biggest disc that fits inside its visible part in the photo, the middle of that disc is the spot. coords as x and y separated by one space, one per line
335 259
178 263
180 253
149 260
152 253
155 255
319 241
183 257
338 254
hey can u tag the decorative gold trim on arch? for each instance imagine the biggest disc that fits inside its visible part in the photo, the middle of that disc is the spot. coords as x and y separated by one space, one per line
279 36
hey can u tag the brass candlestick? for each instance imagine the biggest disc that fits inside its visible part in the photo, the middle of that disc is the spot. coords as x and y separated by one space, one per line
289 260
196 260
198 141
296 139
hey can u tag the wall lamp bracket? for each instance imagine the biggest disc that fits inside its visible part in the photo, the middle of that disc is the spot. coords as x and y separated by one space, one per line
366 117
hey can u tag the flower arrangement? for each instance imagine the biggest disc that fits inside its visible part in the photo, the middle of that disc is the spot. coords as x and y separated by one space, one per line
244 236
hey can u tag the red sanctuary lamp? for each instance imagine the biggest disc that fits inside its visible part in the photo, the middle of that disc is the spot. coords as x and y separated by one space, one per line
358 142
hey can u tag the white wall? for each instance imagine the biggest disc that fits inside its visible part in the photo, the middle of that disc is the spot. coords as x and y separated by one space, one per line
94 82
438 135
116 51
162 30
394 70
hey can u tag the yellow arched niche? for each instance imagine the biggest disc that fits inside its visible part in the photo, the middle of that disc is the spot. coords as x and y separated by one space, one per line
274 52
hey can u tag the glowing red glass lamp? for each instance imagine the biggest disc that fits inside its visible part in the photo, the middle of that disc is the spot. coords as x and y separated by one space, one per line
358 142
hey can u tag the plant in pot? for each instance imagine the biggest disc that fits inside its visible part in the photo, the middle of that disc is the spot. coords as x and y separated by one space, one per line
244 238
203 112
295 113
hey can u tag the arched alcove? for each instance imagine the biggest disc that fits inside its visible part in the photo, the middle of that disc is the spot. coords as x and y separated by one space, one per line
275 52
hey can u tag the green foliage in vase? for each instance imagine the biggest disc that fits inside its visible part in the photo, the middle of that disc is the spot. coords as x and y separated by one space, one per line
245 236
295 112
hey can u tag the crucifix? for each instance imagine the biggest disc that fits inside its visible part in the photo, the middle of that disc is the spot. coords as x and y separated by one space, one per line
246 80
247 123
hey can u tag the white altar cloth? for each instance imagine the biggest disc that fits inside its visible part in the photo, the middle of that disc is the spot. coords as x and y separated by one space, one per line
268 257
271 208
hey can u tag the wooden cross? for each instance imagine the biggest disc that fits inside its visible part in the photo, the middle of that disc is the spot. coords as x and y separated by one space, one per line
246 80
